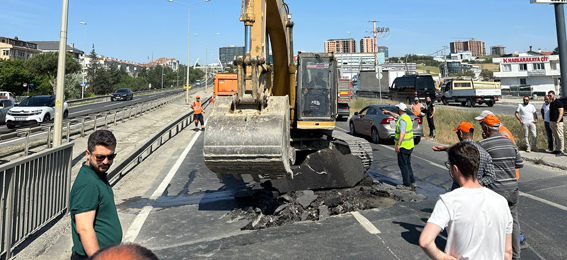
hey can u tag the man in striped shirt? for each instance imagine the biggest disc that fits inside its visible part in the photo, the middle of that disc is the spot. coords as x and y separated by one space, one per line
506 158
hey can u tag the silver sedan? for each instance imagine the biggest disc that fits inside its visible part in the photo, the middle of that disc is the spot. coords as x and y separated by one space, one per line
380 127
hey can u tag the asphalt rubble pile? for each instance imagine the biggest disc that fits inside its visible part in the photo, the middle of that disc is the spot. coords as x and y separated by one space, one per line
264 207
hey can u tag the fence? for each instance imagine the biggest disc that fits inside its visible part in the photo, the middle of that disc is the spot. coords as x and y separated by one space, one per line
34 191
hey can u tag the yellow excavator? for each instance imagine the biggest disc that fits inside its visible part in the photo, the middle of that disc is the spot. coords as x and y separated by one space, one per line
279 125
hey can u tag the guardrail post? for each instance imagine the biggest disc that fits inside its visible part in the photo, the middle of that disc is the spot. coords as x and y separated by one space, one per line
130 113
68 131
83 127
115 112
123 114
49 137
105 121
95 117
27 143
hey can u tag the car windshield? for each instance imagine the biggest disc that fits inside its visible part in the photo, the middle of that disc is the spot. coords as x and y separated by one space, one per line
122 90
36 102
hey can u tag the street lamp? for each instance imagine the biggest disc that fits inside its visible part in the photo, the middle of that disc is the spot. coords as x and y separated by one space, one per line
349 37
83 84
206 60
188 40
162 77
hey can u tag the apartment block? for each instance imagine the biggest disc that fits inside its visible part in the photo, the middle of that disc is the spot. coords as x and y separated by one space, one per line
477 48
367 44
16 49
497 50
340 46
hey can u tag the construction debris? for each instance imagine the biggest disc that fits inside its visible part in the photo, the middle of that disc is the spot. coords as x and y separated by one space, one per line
264 208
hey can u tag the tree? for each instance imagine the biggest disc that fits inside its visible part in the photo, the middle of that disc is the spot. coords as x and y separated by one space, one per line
46 64
487 74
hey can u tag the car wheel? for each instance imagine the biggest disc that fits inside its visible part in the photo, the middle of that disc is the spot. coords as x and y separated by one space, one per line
374 135
65 114
352 130
416 140
10 126
111 99
46 118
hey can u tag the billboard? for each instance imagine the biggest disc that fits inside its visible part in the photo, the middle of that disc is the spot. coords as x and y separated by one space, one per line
548 1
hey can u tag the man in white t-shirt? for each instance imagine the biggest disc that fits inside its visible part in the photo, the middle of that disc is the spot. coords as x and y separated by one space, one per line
545 115
478 220
527 115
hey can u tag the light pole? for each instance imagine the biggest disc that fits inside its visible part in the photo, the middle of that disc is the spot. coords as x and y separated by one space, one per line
206 60
162 77
188 40
59 91
83 84
349 37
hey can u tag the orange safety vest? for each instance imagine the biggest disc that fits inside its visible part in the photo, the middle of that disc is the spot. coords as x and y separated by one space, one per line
196 106
416 109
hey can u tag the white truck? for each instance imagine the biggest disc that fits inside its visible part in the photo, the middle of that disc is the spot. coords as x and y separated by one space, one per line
469 92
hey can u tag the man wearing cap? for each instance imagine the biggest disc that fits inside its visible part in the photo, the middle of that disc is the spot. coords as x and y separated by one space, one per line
198 113
416 107
506 159
485 174
503 130
404 145
526 113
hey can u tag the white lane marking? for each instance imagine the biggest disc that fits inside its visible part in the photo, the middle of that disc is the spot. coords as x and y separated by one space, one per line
364 222
80 111
140 219
553 204
110 105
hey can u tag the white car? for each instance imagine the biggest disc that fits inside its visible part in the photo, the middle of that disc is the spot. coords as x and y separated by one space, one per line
34 110
8 95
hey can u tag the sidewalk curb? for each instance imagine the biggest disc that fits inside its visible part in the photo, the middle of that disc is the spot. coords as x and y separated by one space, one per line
540 161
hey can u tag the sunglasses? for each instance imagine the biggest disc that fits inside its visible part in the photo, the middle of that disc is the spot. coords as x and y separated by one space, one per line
526 100
448 165
100 157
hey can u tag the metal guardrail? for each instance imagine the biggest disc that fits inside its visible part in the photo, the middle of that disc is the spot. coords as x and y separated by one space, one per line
34 190
126 113
107 97
162 136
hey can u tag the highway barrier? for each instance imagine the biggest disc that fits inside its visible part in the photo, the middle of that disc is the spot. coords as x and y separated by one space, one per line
34 191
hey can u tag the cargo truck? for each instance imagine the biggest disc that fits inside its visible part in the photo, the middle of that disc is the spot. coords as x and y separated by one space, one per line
345 96
370 86
469 92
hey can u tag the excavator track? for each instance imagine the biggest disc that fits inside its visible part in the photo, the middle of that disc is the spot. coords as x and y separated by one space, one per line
359 147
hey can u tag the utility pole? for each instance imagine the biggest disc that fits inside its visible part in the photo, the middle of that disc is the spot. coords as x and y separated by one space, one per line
378 33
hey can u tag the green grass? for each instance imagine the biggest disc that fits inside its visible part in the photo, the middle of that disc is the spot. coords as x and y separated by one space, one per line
430 69
446 119
359 103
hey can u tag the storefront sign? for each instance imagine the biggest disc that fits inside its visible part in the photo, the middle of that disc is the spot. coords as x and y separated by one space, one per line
526 59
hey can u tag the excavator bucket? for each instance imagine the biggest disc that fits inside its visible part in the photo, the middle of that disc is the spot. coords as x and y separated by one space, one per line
248 141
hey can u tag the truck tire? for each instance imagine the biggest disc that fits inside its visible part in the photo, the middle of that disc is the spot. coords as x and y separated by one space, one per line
463 103
490 103
469 102
444 100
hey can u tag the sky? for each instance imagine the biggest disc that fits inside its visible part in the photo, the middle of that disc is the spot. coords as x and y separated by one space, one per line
136 30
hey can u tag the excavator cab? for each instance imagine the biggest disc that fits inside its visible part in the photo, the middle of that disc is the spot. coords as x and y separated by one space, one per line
317 88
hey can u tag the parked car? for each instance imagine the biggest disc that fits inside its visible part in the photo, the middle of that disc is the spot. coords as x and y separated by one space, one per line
5 106
34 110
380 127
122 94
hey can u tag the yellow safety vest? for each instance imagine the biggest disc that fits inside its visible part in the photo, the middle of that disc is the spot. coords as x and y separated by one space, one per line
407 143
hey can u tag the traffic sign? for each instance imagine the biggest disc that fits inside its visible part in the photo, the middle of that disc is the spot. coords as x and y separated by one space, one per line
83 83
25 85
149 85
31 84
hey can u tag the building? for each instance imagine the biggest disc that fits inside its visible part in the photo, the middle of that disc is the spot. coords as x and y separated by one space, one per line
53 46
164 62
383 49
529 73
367 44
340 46
457 66
227 54
16 49
132 68
457 46
462 55
476 47
497 50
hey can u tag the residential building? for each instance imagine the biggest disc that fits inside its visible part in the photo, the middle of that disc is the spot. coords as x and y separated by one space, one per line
497 50
53 46
529 73
227 54
132 68
462 55
340 46
16 49
164 62
457 46
457 66
367 44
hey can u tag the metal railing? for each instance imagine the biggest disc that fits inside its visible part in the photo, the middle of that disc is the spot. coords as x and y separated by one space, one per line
91 121
35 190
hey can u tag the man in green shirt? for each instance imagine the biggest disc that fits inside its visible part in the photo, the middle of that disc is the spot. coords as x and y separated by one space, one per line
94 219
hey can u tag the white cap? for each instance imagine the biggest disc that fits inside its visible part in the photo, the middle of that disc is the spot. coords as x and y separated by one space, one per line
483 114
416 98
402 106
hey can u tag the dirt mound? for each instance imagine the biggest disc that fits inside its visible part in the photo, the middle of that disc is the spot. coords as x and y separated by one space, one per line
265 208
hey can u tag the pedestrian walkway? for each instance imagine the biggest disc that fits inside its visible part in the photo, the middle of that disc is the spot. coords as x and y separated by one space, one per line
546 158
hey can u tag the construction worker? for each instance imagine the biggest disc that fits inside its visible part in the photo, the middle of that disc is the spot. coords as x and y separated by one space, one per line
198 113
416 107
404 145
